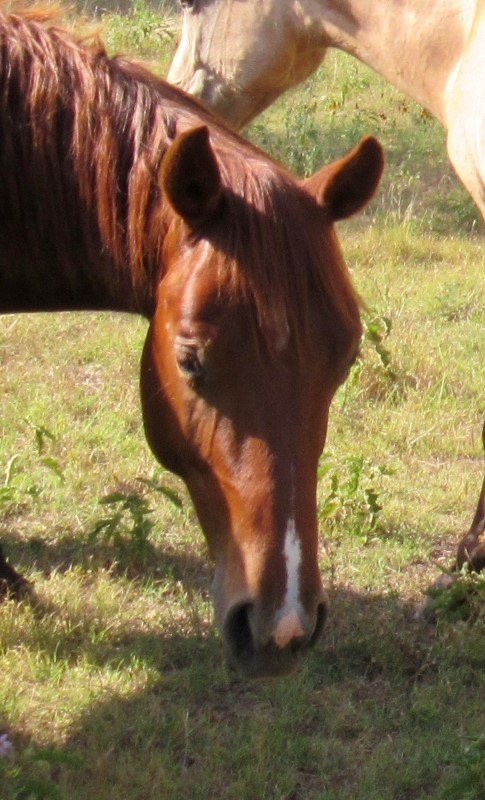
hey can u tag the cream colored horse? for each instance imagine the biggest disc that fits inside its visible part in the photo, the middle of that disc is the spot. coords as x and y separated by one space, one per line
238 56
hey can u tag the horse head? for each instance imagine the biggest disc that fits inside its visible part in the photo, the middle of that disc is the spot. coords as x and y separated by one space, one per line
256 325
239 57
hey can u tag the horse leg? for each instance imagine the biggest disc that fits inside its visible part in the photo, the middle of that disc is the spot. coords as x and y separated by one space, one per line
11 583
471 549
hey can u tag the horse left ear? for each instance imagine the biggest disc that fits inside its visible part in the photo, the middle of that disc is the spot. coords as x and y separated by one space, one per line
347 185
190 176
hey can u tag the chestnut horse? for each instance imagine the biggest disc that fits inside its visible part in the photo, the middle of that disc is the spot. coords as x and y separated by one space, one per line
238 57
119 192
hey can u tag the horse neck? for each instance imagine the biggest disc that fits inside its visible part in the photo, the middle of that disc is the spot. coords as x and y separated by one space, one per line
68 269
414 45
81 220
65 242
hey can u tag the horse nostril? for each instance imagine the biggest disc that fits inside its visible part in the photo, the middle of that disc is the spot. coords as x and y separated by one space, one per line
297 644
238 634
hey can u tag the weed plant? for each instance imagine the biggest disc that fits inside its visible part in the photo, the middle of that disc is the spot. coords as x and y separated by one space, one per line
351 505
114 683
145 29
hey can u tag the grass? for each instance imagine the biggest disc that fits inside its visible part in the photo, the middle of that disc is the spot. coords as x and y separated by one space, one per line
114 684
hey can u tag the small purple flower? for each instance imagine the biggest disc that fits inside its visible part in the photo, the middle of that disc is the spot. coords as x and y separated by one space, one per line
5 744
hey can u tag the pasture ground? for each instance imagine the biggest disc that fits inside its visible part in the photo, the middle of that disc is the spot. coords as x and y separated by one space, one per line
115 685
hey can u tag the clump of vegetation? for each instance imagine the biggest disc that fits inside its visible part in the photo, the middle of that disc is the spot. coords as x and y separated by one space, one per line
377 328
144 30
19 486
376 375
130 523
351 504
460 598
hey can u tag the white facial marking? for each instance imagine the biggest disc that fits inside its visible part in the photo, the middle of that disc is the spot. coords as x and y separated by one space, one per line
289 623
293 560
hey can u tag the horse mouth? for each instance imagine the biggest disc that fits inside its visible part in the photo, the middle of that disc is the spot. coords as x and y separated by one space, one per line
254 660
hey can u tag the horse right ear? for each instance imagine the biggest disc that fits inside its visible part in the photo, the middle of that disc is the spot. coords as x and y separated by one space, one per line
347 185
190 177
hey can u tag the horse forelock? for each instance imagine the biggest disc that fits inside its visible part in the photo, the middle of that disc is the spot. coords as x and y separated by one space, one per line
280 251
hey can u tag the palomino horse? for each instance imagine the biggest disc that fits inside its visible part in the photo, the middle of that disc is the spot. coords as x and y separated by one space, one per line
121 193
238 57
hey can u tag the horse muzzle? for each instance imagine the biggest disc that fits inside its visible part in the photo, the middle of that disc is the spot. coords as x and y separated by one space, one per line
260 647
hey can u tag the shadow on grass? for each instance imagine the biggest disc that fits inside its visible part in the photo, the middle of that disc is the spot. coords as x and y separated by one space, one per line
190 727
154 562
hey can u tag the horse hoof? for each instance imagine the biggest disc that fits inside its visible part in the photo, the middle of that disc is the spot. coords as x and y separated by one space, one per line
474 557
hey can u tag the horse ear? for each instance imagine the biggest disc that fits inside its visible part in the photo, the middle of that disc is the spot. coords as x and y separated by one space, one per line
190 176
344 187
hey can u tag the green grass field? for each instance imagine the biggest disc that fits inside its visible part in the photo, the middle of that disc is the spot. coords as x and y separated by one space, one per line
114 685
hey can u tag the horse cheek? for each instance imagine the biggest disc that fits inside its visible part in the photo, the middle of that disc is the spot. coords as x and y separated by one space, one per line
162 427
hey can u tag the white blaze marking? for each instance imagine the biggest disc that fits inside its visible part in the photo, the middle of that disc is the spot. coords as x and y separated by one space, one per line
289 625
293 560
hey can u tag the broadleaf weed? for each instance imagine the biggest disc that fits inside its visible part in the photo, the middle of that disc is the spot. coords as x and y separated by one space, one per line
17 488
461 599
129 525
351 504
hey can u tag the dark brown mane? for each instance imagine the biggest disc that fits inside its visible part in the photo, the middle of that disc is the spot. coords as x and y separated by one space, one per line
87 134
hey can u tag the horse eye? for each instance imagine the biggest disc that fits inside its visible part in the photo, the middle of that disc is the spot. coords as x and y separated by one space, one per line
187 3
189 362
